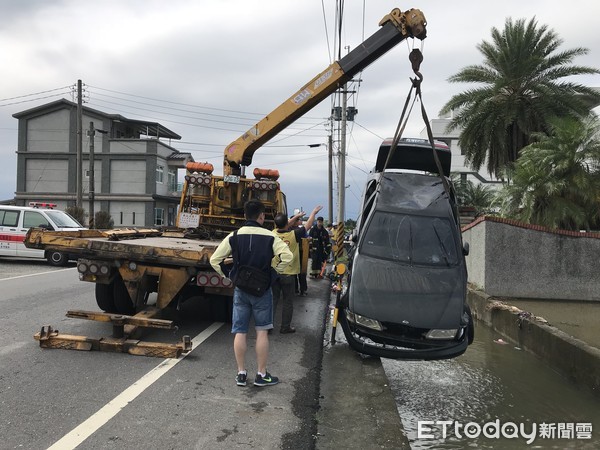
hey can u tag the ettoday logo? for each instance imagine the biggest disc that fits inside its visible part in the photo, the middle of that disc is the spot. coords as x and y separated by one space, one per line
426 429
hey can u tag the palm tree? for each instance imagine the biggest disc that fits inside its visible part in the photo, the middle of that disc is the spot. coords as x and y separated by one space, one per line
556 181
520 89
477 196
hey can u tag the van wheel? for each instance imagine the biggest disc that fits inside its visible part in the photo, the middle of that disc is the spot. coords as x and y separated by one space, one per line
105 297
470 326
123 302
57 258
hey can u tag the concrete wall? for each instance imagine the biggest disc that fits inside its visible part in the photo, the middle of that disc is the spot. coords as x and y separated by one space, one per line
49 133
507 260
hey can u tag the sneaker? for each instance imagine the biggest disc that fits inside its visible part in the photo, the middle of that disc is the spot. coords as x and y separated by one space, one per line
240 379
287 330
267 380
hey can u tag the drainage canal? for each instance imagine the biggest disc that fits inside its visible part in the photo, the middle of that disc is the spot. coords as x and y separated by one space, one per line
484 392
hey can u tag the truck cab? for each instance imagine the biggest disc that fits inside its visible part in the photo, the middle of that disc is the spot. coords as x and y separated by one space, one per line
406 296
15 221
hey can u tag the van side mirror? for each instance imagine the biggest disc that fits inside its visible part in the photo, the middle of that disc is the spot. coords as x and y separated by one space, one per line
354 237
466 248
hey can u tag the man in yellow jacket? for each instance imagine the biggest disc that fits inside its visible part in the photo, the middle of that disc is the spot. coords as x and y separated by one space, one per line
284 286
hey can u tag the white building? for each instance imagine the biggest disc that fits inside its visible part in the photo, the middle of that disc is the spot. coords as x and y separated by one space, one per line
440 133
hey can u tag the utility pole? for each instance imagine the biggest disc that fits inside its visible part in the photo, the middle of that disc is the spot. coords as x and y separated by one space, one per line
330 175
79 147
91 134
342 160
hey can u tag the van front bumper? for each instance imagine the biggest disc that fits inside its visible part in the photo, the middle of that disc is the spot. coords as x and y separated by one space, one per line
386 345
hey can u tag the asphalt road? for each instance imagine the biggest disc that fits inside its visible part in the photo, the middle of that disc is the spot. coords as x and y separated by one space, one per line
110 400
15 267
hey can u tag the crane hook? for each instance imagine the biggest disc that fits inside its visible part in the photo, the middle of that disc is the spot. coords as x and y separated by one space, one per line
416 58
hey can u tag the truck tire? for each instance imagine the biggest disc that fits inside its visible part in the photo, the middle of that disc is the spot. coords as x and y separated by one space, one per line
105 297
57 258
123 302
221 308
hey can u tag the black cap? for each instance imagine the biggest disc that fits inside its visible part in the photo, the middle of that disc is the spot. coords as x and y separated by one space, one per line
320 218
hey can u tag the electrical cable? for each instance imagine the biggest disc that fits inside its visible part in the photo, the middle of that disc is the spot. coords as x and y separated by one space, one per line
33 99
326 32
35 93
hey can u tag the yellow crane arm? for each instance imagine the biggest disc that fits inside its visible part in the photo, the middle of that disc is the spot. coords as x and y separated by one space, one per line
395 27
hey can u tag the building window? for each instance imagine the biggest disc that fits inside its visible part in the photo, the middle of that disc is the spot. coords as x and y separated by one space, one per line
172 180
159 216
159 174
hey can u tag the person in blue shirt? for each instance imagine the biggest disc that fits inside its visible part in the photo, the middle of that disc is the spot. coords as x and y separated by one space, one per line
255 246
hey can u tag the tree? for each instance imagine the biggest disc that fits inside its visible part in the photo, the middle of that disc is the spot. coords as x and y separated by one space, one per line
477 196
77 212
556 181
521 88
103 220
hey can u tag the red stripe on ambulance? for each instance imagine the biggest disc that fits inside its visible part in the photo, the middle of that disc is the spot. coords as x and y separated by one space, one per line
12 238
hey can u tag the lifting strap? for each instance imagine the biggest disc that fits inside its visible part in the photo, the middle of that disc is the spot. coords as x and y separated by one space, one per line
416 57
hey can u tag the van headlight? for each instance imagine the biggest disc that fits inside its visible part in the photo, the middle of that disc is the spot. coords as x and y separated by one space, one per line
442 334
363 321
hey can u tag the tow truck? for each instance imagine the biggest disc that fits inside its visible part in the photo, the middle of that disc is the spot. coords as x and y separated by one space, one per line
127 265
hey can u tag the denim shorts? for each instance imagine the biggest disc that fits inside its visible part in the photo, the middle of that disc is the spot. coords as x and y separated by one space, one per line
246 306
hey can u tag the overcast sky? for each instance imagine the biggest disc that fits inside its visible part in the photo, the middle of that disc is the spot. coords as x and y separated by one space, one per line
208 70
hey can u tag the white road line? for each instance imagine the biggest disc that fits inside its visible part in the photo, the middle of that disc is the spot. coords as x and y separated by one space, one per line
38 273
80 433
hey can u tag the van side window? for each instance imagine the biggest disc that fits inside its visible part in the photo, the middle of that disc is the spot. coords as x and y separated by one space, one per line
9 218
369 201
34 219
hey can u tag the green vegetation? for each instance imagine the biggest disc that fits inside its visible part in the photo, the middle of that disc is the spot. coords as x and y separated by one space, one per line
78 213
556 180
103 220
520 88
477 196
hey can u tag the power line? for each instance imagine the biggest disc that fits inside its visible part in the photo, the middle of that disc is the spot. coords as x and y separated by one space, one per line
260 115
36 93
34 99
326 32
245 125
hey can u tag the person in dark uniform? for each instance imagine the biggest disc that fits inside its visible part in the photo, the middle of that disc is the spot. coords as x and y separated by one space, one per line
320 247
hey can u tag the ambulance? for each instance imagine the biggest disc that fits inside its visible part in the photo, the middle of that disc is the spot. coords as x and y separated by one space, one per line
15 221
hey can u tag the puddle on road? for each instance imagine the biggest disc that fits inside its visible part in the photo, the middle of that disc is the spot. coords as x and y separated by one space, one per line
489 382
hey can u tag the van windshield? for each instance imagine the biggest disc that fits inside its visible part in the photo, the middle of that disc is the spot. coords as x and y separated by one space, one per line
409 239
63 220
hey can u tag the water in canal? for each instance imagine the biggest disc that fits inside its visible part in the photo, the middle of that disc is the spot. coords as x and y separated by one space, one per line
492 385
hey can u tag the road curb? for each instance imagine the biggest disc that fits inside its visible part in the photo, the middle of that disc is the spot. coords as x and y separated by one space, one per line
357 407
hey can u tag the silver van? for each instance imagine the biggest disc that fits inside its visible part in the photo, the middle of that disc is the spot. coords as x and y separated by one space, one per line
15 221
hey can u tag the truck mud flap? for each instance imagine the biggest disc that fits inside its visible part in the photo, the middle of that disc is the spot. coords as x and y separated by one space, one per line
121 341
